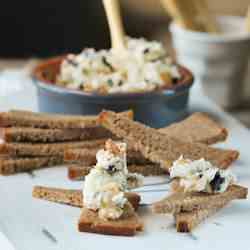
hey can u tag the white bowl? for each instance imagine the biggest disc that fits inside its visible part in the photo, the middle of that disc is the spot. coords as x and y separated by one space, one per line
218 61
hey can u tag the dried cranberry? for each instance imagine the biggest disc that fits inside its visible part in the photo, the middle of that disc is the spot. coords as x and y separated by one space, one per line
216 182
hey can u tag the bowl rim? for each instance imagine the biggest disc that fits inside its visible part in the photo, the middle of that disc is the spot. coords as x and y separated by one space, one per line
39 81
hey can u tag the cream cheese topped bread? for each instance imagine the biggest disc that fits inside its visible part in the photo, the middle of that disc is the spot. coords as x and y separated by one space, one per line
78 172
199 189
72 197
201 176
106 183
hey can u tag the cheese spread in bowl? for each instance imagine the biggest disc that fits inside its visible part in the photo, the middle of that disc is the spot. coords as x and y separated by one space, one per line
144 66
141 77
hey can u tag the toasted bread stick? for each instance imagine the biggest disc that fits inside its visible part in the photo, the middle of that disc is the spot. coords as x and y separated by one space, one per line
10 166
19 118
198 127
78 172
116 27
204 17
187 221
248 20
45 149
72 197
90 222
25 134
183 13
84 156
182 202
192 15
160 148
87 156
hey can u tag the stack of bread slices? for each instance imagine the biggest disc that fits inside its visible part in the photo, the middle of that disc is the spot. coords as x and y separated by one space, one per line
31 141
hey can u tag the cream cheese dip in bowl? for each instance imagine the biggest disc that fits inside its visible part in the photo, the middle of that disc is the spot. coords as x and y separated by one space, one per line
144 79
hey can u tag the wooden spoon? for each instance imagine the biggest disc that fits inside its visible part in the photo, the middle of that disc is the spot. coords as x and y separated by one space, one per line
192 15
248 20
113 12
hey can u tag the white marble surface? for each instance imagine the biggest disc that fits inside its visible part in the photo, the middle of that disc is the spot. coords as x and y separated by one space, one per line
22 218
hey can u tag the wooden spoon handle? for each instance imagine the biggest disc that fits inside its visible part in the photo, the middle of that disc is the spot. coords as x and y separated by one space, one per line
207 18
248 20
192 15
182 12
113 13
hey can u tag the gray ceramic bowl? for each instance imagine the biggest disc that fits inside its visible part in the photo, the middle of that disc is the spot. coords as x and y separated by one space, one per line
156 109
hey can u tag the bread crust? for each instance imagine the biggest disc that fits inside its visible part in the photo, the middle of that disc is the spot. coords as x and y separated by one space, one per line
72 197
37 135
20 118
183 202
90 222
198 127
45 149
10 166
87 156
187 221
78 172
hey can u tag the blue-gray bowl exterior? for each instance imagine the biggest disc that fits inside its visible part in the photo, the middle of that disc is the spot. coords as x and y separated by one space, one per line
154 109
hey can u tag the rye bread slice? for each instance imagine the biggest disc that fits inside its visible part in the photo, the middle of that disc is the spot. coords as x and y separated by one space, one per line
87 156
90 222
83 156
186 221
45 149
19 118
186 202
72 197
25 134
78 172
198 127
10 166
161 148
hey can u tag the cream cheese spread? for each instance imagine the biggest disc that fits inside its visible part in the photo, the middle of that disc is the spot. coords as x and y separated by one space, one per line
106 183
143 66
201 176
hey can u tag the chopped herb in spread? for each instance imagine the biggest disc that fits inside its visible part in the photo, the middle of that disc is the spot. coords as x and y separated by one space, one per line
110 82
71 62
104 59
81 86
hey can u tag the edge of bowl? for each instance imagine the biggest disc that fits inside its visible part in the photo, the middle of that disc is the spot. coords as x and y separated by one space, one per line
41 82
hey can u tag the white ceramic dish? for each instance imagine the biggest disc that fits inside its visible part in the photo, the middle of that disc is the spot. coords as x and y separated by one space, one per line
219 62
